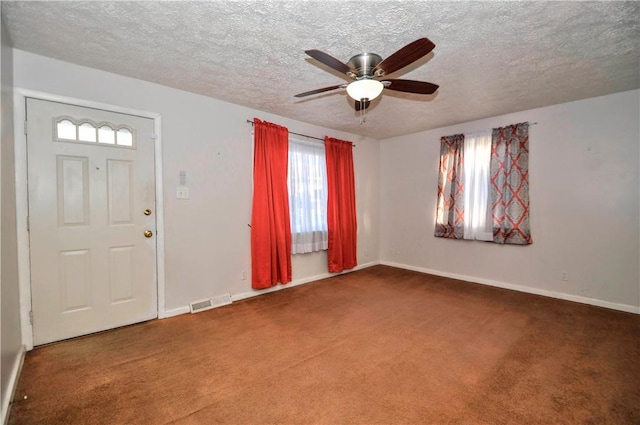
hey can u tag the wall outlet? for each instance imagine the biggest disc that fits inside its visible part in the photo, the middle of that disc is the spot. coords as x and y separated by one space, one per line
182 193
564 275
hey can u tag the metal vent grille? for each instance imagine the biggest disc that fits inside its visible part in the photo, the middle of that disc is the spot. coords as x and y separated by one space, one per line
201 305
209 303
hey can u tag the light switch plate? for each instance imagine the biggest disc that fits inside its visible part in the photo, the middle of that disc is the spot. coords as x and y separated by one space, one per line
182 193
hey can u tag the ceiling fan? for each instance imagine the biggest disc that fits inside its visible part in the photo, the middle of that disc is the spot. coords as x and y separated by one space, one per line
367 71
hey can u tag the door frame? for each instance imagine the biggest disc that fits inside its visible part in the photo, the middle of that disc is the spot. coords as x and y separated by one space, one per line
22 197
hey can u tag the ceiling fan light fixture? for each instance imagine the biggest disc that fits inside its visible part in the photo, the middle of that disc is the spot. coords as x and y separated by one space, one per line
365 89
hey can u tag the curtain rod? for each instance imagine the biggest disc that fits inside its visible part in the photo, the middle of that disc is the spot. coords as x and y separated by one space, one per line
477 131
299 134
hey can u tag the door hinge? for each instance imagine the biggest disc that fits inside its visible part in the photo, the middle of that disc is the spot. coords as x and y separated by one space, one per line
31 317
25 127
28 224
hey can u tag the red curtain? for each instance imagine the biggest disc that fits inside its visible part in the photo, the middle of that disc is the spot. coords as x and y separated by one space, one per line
270 224
341 205
450 209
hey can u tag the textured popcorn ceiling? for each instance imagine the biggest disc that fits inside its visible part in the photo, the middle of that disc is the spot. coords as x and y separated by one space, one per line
490 58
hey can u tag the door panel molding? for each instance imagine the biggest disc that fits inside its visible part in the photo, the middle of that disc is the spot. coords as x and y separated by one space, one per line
20 140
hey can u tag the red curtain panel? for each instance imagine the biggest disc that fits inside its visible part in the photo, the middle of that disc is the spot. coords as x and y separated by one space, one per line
270 224
341 205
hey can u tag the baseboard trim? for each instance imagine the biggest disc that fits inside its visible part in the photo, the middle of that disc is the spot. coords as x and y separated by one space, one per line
237 297
176 311
13 384
552 294
297 282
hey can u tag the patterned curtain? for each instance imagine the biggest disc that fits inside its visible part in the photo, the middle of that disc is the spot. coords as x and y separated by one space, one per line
510 184
450 211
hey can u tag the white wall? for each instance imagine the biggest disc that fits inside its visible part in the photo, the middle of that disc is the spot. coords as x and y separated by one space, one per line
588 225
207 237
11 339
584 191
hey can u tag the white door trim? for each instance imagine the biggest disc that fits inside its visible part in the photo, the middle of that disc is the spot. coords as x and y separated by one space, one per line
22 205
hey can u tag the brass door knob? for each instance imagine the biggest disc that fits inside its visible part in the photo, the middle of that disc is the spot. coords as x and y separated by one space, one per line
147 212
148 233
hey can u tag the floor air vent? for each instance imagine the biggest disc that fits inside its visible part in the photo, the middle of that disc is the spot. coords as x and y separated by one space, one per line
209 303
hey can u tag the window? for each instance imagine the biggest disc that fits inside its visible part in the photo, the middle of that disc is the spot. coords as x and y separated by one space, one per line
68 129
464 205
477 196
483 186
307 184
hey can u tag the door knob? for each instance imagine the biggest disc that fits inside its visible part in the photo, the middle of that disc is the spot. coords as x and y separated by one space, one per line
147 212
148 233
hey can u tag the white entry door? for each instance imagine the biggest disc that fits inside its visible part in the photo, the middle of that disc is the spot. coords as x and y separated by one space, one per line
91 218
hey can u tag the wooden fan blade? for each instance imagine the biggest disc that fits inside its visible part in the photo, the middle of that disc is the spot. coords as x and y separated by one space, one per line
322 90
405 56
360 106
411 86
328 60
